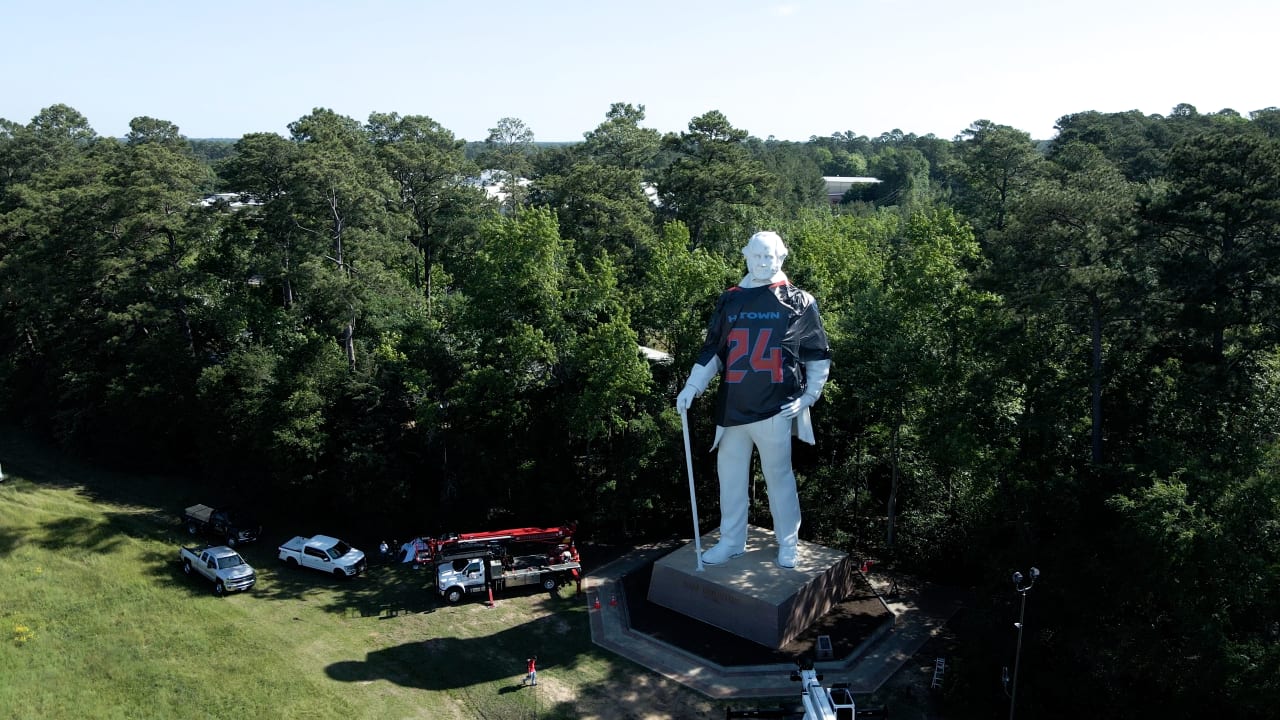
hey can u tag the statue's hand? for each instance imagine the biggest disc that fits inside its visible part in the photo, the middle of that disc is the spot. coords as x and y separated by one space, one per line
685 398
795 407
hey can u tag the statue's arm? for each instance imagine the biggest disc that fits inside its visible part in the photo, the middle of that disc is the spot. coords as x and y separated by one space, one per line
816 373
699 378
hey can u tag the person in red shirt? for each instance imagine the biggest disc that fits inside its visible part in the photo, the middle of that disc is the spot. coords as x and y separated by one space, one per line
532 669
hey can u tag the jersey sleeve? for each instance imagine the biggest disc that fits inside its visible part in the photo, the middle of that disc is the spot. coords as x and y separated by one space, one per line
715 332
810 334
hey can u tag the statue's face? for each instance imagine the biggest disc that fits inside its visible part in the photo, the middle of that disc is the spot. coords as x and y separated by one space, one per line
763 260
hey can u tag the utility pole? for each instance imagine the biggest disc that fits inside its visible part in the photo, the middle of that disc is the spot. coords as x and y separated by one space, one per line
1022 590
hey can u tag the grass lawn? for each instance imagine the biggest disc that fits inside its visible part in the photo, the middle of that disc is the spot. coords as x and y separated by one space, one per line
98 621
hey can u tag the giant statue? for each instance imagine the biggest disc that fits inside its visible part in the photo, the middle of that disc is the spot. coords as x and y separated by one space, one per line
767 338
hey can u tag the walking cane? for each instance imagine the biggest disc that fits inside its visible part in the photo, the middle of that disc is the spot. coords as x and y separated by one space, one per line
693 495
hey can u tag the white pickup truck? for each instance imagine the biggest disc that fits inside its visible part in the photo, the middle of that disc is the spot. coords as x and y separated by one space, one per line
220 565
323 553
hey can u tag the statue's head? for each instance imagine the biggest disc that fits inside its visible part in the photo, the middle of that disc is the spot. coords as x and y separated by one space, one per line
764 253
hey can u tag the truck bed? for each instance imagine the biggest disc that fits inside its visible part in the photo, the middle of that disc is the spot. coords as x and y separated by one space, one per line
534 564
199 512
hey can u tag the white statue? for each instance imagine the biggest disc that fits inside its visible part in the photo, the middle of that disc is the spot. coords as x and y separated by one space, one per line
767 337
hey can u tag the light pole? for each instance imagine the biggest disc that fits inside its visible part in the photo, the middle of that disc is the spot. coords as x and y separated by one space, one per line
1022 614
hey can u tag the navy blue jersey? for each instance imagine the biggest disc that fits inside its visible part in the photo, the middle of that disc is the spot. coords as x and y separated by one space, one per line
763 336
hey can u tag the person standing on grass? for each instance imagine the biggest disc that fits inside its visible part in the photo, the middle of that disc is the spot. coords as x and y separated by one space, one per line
532 669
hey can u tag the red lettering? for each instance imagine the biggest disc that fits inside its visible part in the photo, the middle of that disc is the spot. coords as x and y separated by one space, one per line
761 357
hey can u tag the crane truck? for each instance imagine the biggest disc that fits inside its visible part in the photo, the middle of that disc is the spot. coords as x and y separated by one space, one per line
494 560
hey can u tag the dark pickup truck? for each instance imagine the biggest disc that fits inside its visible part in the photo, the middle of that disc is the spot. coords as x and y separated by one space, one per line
231 526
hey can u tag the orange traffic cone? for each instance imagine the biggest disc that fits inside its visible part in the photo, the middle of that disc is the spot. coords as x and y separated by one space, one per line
613 601
596 604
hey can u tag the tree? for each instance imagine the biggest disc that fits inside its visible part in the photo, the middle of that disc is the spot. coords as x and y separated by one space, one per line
507 152
620 141
1220 217
1216 236
680 283
903 175
995 163
53 136
845 164
1070 253
712 174
350 252
602 208
258 165
597 189
435 182
909 347
1268 121
799 179
55 202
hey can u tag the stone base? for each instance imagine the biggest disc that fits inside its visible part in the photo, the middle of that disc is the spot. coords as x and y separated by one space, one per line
750 596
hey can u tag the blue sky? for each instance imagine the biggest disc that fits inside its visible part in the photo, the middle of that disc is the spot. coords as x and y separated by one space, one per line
784 69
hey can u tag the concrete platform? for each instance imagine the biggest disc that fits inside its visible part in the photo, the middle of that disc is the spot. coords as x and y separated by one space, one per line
751 596
920 611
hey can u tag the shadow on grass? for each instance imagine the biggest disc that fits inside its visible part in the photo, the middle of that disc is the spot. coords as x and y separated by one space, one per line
8 541
33 458
105 534
449 663
488 671
382 591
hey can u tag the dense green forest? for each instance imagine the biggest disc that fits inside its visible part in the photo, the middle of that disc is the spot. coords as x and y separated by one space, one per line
1062 353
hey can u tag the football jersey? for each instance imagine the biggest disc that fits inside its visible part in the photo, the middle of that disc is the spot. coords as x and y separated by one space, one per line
763 336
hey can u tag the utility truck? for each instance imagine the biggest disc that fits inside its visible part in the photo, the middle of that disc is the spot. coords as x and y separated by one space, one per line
324 553
465 575
495 560
220 565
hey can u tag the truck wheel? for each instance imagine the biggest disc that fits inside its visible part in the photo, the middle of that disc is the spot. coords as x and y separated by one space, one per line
453 595
192 529
219 589
342 575
549 583
186 566
291 562
231 541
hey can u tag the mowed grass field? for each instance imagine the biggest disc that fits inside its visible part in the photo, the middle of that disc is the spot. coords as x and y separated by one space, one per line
98 621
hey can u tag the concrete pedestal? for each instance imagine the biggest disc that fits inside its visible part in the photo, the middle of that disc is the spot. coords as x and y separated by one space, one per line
750 596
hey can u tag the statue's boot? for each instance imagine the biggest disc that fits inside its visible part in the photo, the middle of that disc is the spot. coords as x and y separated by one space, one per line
787 555
723 552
